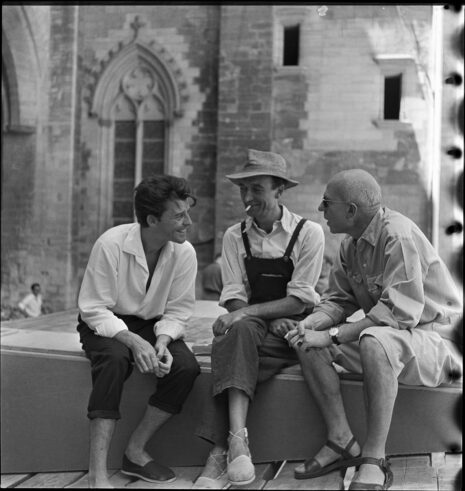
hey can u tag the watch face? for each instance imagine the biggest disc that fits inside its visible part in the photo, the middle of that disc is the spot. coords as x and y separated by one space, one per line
333 331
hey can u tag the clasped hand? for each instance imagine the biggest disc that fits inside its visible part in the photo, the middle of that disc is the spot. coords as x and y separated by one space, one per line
303 339
280 327
152 359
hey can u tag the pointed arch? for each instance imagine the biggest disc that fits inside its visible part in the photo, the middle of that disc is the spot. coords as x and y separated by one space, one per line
135 97
20 71
127 60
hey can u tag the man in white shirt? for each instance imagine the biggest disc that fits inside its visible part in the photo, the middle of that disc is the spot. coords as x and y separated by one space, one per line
136 296
31 304
271 263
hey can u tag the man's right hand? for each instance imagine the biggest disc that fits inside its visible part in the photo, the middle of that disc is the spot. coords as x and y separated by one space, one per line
145 356
280 327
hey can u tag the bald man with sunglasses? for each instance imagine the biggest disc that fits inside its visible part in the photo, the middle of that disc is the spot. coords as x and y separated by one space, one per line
388 268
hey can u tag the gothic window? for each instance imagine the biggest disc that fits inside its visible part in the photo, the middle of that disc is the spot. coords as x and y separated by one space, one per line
139 139
135 100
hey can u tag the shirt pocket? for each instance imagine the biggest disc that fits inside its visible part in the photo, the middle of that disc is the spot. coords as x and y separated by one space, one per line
375 285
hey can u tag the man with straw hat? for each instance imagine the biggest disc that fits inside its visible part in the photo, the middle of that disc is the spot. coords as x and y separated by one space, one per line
271 265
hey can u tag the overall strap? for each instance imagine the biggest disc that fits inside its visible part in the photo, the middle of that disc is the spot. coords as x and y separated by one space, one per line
291 244
245 240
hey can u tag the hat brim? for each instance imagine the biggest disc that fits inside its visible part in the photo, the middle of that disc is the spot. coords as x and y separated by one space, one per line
290 183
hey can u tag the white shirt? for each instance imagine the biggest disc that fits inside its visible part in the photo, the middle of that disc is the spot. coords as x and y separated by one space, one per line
306 256
115 282
32 305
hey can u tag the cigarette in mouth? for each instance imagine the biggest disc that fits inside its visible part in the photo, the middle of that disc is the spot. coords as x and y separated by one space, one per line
248 208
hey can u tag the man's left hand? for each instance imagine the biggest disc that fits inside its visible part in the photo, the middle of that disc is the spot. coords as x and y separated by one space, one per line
225 321
165 358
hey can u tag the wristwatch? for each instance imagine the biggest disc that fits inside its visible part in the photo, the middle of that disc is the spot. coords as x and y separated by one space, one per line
333 333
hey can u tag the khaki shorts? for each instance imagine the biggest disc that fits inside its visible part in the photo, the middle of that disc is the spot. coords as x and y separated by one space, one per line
417 357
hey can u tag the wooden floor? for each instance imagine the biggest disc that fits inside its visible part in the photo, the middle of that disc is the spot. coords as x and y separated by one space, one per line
434 472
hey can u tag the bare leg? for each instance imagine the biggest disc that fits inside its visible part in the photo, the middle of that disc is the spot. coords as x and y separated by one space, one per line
216 463
238 408
324 385
380 388
101 433
152 420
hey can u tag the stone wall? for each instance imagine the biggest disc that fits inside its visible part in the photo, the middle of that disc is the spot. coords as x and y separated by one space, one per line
323 115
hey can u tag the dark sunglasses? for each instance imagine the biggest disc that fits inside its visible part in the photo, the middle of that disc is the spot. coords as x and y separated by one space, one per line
326 202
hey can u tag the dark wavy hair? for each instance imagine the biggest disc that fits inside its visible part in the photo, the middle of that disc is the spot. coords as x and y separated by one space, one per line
153 192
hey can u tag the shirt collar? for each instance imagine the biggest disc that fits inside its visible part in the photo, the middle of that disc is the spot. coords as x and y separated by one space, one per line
371 233
285 221
132 244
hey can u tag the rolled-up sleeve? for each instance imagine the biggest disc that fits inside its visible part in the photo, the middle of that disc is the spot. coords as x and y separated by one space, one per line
402 298
307 268
98 293
338 301
181 298
231 272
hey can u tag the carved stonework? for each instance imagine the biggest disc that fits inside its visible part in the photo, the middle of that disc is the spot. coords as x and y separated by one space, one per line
138 83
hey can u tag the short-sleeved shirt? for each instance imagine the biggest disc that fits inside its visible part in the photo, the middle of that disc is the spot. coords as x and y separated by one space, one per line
115 281
306 256
32 305
396 276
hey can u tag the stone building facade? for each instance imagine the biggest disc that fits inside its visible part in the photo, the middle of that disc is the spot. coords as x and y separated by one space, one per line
96 96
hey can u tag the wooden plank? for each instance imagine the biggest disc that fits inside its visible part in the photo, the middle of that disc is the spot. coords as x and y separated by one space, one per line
51 480
438 459
348 476
285 480
260 471
117 480
185 477
10 480
413 473
454 459
450 475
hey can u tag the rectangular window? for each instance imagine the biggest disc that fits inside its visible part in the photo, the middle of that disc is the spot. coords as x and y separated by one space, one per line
291 45
123 178
392 96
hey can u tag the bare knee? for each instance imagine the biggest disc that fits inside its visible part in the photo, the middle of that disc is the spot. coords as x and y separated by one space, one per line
373 354
314 357
369 344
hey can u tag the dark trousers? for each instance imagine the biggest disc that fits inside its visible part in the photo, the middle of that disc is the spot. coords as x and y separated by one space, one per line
246 356
112 364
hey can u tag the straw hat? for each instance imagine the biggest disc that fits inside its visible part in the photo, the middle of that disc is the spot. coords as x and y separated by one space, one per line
263 164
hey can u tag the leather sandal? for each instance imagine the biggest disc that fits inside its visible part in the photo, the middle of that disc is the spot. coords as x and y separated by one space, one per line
314 469
241 470
384 465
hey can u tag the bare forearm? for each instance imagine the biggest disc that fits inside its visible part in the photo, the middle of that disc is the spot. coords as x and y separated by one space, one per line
128 338
235 304
351 331
276 308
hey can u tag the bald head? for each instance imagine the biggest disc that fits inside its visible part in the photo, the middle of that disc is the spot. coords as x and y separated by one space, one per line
356 186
